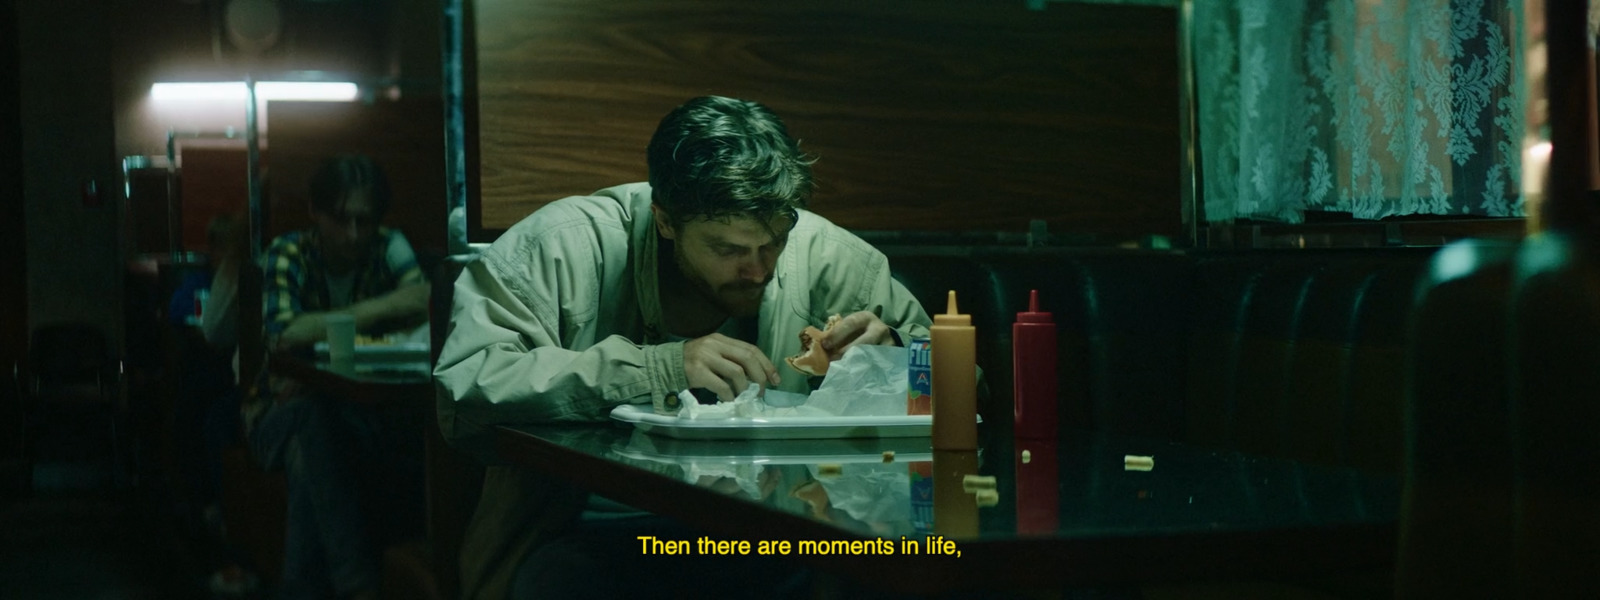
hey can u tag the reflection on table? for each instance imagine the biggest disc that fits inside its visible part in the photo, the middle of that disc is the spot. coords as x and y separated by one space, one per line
1071 512
862 485
380 382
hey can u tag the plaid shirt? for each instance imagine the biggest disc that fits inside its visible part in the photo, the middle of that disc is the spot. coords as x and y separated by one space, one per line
297 281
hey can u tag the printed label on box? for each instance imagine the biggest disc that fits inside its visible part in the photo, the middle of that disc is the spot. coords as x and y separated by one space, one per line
919 395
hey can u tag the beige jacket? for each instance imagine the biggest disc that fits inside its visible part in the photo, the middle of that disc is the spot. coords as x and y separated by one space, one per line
560 320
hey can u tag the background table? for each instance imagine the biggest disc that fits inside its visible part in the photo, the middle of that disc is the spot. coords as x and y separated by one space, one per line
407 383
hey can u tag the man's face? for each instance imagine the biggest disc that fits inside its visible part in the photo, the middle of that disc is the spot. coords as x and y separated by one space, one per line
346 231
728 262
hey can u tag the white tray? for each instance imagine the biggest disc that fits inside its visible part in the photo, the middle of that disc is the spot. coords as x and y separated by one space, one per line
773 428
399 352
777 452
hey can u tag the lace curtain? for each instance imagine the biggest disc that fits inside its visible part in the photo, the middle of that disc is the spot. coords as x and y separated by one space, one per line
1373 107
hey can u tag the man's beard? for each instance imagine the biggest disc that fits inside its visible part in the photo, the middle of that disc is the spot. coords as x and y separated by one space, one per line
739 299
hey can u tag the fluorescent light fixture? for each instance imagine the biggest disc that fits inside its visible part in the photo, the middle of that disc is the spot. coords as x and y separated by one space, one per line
306 90
265 90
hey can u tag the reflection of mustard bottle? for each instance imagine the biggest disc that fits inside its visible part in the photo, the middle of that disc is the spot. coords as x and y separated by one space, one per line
955 380
955 509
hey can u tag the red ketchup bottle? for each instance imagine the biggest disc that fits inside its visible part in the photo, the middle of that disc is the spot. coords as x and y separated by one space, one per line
1033 363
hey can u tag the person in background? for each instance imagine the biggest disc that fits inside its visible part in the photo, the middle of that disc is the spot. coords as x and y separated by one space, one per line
700 279
206 408
203 311
353 473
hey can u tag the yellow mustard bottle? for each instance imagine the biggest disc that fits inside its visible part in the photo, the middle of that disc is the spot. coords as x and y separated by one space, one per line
954 344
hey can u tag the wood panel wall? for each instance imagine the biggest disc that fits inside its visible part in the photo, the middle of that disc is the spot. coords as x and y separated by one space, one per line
214 182
405 138
925 114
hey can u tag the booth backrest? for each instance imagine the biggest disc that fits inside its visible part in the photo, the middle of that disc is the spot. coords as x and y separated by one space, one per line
1302 353
1282 353
1456 517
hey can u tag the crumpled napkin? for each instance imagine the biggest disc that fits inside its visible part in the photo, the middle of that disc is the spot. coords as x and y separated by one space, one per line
749 403
742 406
745 475
867 381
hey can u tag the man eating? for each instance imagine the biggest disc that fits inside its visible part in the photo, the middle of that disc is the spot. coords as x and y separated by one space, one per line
700 279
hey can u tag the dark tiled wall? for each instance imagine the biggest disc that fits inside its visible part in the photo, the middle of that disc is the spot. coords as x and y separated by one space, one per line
73 246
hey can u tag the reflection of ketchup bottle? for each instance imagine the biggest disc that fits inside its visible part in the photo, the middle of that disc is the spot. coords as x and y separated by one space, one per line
1033 363
1038 488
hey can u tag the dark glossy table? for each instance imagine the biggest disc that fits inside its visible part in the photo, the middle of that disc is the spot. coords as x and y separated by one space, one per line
1072 514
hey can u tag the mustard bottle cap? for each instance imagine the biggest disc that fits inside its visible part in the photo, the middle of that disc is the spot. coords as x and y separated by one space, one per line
952 318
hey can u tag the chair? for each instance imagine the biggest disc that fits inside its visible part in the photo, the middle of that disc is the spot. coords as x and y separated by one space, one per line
73 387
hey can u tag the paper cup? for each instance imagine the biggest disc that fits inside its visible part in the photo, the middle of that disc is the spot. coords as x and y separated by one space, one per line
341 341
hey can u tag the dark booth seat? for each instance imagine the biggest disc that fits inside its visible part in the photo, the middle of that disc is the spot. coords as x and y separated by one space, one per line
1297 354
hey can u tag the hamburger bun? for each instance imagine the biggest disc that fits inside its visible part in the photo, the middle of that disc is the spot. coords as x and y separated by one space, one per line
813 359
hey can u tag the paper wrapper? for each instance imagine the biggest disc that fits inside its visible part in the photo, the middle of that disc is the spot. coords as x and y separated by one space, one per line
868 381
872 493
745 475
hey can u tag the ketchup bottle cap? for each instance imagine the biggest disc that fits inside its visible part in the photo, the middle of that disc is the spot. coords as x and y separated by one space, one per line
1033 315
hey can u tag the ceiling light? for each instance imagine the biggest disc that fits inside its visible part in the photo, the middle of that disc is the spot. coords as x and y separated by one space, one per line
265 90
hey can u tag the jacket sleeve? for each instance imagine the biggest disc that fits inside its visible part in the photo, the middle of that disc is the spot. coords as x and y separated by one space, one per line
894 304
875 289
504 361
852 275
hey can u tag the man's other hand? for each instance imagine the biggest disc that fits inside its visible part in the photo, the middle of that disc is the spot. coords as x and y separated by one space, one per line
304 330
862 327
726 366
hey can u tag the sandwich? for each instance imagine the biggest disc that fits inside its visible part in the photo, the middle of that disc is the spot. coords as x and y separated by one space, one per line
813 359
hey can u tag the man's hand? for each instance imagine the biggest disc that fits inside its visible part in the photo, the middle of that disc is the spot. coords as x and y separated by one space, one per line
726 366
862 327
304 330
406 302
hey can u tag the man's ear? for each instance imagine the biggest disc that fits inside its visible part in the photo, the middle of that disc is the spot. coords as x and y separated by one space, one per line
663 222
